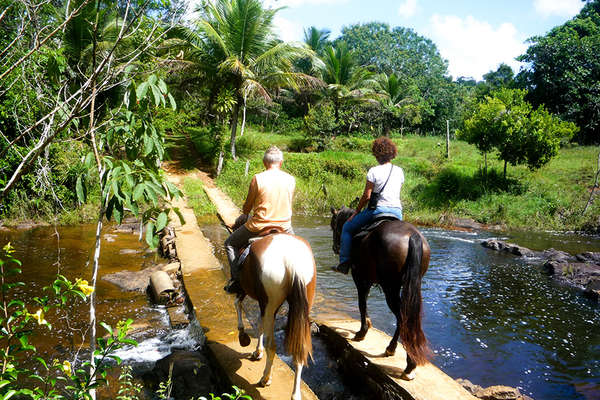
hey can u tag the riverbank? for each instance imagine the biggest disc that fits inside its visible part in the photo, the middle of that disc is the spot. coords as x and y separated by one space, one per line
438 191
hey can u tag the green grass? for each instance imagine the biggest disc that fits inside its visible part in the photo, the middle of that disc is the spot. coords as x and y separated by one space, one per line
197 199
436 189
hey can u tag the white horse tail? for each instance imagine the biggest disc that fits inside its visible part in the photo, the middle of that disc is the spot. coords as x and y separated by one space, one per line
297 333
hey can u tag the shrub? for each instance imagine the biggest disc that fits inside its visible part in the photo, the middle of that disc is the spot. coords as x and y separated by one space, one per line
319 126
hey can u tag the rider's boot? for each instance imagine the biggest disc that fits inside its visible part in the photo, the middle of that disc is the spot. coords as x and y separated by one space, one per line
343 267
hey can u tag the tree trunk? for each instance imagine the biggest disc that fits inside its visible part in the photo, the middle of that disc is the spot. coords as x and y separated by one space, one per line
485 164
593 190
505 169
234 122
244 113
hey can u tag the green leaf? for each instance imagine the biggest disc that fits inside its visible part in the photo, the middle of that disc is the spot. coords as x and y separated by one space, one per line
148 145
89 160
150 234
157 94
118 212
79 189
161 221
107 327
162 86
172 101
179 214
138 192
141 90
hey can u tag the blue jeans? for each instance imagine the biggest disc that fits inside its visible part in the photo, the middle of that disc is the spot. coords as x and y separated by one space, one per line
361 219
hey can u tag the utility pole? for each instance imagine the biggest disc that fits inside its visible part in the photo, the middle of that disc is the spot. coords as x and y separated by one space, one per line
448 139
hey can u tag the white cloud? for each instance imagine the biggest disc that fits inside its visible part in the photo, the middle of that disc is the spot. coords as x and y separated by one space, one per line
561 8
474 47
288 31
408 8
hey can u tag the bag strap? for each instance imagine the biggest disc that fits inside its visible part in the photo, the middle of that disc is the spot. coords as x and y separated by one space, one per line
388 178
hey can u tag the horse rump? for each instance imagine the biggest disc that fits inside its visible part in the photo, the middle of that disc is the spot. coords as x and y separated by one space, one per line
297 332
411 333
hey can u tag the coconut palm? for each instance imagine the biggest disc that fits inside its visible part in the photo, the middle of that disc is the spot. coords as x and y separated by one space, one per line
346 82
400 100
237 37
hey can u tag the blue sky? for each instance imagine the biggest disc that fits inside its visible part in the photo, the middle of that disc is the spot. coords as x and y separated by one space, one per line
474 36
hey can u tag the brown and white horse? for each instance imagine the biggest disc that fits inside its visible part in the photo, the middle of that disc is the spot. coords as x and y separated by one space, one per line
280 267
394 255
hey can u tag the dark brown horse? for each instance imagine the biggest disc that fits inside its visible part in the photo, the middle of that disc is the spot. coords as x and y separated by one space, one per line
396 256
280 267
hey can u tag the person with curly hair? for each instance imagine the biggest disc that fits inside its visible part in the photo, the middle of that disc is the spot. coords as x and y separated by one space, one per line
381 195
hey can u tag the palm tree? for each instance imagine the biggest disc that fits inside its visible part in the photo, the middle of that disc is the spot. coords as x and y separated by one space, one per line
316 39
399 99
346 82
238 36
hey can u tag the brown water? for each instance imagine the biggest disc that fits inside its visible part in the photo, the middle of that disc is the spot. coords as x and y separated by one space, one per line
45 252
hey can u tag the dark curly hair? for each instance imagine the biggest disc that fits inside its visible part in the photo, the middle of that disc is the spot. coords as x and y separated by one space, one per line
384 150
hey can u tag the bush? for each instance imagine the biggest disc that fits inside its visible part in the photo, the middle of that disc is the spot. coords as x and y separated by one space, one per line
319 126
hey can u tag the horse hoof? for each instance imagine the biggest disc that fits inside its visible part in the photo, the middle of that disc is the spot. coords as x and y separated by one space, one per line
359 337
264 382
408 377
389 353
256 356
244 339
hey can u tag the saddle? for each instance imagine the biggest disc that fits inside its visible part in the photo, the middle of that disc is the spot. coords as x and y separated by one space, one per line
365 230
244 251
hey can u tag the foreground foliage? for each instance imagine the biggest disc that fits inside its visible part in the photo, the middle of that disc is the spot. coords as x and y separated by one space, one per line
52 379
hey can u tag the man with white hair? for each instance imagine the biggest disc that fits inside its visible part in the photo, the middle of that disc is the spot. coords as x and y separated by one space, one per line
270 202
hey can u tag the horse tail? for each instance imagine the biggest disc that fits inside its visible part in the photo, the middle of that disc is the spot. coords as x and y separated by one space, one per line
297 333
411 333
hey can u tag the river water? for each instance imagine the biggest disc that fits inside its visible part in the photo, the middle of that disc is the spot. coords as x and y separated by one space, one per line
490 317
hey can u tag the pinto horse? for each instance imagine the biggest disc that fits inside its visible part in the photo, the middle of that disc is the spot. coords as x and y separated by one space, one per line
396 256
279 267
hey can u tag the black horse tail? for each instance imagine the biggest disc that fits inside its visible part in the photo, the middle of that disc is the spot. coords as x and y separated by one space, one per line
297 333
411 333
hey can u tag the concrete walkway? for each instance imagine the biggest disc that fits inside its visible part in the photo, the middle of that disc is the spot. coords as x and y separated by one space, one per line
204 280
364 361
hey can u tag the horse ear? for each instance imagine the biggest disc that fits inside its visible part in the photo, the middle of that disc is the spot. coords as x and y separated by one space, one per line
333 211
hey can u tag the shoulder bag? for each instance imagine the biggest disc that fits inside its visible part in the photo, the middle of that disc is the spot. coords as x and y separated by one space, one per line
374 199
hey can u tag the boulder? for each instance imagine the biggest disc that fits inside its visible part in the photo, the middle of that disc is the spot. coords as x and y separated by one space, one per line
191 372
500 393
132 280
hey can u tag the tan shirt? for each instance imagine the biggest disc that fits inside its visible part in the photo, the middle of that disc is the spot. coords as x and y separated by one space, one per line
270 200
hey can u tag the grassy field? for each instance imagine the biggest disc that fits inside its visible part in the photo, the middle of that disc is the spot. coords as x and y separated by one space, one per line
437 189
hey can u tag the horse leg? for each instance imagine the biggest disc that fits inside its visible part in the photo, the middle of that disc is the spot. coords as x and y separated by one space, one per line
243 337
365 322
409 372
296 395
392 298
268 330
259 352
